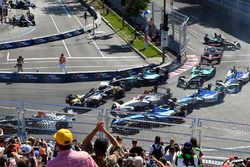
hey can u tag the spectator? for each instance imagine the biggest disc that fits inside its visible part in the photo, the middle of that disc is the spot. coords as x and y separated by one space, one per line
187 158
171 142
3 158
75 145
138 150
161 162
14 20
170 155
23 162
62 63
101 146
19 64
66 157
196 149
156 149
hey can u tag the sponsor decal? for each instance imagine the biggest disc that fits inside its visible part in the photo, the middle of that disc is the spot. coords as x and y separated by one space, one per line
28 77
79 76
51 77
5 77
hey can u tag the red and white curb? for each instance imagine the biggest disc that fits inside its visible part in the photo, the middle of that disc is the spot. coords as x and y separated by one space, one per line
192 60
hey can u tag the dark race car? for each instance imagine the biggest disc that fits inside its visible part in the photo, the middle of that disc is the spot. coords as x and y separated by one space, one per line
199 74
218 41
95 98
211 55
148 76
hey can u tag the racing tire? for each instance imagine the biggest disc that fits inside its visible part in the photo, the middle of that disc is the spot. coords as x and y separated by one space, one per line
199 84
60 125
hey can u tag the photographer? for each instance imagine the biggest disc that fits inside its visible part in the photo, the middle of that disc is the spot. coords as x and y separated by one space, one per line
19 65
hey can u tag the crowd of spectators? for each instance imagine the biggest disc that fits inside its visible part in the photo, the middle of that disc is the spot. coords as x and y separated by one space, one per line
110 151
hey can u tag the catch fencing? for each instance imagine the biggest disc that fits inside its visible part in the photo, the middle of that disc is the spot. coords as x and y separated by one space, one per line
177 34
217 138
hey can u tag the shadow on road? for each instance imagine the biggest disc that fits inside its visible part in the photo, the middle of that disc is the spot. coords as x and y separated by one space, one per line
216 18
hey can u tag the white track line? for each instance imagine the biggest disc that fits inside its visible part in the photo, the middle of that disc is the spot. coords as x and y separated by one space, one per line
191 48
65 8
8 56
90 37
59 32
76 58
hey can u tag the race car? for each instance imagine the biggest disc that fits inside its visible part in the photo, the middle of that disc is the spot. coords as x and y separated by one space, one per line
142 103
211 55
154 76
210 95
242 74
148 76
234 81
131 124
199 74
25 21
23 5
39 123
218 41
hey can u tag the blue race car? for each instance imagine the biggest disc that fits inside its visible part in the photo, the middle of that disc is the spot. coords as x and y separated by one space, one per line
235 79
157 117
205 96
199 74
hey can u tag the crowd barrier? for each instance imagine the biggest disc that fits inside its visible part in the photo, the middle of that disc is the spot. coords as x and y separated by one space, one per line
61 77
54 37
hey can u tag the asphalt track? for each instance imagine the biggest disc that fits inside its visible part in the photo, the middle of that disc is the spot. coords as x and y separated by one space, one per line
98 51
234 108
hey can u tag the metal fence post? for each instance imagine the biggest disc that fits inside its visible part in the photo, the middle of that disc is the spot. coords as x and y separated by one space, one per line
194 127
21 121
199 132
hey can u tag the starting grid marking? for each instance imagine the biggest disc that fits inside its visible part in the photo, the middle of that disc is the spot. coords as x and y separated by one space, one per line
192 60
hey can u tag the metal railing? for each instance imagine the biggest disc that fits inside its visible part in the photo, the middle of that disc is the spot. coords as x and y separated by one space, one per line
217 138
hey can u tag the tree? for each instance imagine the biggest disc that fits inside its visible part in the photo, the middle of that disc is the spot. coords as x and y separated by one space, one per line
134 8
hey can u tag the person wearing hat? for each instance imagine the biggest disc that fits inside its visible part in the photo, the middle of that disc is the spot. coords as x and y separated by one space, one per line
67 157
187 158
26 151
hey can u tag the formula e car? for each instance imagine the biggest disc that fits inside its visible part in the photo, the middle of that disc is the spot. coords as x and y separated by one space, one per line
199 74
204 96
142 103
149 76
211 55
23 4
234 80
159 115
40 123
218 41
94 98
25 21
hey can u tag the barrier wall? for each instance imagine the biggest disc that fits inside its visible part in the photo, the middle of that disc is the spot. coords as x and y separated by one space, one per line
60 77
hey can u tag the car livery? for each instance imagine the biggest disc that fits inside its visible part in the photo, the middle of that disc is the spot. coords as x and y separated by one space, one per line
199 75
211 55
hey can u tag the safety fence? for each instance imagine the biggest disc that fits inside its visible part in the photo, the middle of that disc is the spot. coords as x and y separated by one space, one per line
217 138
177 34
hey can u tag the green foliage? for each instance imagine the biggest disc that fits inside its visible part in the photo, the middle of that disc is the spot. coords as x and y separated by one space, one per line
127 33
135 7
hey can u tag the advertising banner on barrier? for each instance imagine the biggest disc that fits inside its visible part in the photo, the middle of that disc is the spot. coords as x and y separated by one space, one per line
72 33
23 43
7 77
37 41
93 76
5 46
